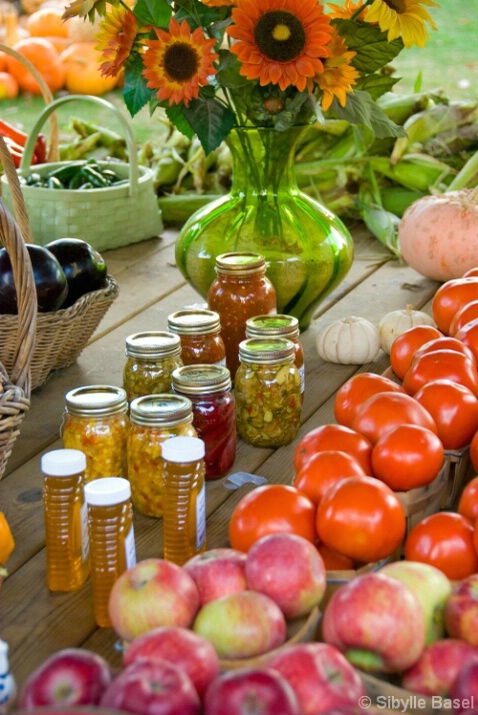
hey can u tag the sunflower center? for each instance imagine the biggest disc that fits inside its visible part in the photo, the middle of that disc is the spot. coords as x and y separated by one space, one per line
397 5
180 62
280 36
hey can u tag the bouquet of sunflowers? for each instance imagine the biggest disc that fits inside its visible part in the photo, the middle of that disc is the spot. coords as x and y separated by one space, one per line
216 64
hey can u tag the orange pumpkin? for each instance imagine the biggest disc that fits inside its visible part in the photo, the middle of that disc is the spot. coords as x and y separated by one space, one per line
81 62
8 86
3 62
47 22
44 57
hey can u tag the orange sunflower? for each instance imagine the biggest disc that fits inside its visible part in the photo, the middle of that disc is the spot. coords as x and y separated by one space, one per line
179 62
280 41
348 10
218 3
339 75
116 38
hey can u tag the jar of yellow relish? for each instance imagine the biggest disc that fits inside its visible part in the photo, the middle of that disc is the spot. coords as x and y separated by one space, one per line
154 419
267 392
209 389
279 326
96 423
150 359
200 333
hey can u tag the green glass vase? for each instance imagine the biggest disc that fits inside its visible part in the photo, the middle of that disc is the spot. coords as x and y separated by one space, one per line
307 248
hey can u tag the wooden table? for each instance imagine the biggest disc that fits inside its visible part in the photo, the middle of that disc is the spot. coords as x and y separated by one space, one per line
36 622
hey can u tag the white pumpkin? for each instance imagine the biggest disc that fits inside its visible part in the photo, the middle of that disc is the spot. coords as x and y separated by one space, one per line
397 322
348 341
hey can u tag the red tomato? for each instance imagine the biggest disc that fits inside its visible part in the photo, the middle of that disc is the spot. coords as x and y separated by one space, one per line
463 316
386 410
468 335
271 509
324 470
362 518
468 503
474 451
444 540
454 409
353 393
333 560
332 436
406 344
450 297
441 365
407 457
444 343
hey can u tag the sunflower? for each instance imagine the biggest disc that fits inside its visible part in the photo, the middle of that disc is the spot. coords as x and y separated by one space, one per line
179 62
280 41
339 75
218 3
405 18
347 11
116 39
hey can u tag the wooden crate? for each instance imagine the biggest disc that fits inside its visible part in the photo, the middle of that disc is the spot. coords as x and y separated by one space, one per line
458 472
423 501
389 696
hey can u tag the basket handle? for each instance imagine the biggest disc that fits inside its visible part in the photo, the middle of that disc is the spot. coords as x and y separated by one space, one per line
46 93
23 277
130 140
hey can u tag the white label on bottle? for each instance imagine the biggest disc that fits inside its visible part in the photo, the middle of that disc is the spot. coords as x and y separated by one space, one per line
302 379
221 362
201 518
130 548
85 539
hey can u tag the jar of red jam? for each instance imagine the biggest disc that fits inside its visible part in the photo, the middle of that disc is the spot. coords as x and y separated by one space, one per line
151 357
279 326
200 333
209 389
96 423
267 392
240 290
154 419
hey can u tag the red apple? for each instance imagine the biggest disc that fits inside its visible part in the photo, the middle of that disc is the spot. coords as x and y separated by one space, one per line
320 675
435 670
375 635
218 572
247 691
461 611
464 688
152 593
242 625
152 687
288 569
186 649
72 676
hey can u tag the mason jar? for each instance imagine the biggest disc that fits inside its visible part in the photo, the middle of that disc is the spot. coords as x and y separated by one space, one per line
199 331
150 359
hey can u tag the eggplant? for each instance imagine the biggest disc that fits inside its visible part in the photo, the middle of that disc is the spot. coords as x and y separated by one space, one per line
84 267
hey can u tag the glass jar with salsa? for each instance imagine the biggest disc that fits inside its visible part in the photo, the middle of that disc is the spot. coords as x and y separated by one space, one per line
209 389
200 333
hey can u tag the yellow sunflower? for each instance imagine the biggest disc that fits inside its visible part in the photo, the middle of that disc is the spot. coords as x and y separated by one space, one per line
339 75
280 41
345 12
179 62
116 38
405 18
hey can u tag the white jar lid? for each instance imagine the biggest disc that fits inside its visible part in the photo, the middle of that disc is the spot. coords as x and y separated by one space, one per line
107 490
63 462
183 449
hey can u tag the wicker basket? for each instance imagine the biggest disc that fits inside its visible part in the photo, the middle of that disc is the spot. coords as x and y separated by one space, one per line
15 390
107 217
61 335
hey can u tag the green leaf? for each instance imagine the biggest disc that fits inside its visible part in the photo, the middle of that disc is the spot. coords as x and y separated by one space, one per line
361 109
376 84
177 118
228 72
210 120
373 49
136 94
153 12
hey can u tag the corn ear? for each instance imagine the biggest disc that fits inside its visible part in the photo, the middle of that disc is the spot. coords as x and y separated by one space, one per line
177 208
415 171
399 107
383 225
467 176
397 199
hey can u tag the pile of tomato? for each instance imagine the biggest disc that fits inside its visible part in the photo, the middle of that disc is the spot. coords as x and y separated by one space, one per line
392 435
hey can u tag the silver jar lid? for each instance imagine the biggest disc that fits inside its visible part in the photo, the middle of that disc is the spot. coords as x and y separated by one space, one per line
153 344
278 325
266 350
194 321
240 263
201 379
96 400
162 410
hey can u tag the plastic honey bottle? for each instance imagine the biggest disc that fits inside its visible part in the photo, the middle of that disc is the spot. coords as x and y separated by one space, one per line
65 512
112 543
184 498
